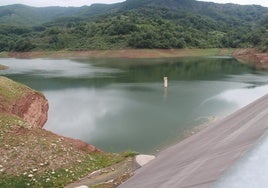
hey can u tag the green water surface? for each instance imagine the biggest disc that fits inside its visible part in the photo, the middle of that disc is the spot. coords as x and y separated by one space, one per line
121 104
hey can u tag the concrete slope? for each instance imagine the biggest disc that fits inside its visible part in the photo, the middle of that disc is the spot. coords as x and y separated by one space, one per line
201 159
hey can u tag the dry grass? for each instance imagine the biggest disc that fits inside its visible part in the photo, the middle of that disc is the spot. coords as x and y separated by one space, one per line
126 53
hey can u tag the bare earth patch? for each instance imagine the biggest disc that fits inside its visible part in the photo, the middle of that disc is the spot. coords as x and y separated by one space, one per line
253 57
126 53
2 67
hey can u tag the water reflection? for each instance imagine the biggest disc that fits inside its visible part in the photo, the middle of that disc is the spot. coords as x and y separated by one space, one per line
165 93
151 70
244 96
52 68
79 110
120 104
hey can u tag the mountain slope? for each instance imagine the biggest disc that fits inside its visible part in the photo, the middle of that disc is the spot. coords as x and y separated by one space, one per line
134 24
25 15
219 12
21 15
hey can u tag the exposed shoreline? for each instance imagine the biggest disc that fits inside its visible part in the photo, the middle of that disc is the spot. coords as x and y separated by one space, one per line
252 57
249 56
2 67
124 53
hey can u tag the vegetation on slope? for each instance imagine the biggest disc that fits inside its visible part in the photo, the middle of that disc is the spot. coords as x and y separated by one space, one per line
139 24
24 15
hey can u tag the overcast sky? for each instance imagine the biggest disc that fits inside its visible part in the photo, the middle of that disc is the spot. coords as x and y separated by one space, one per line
43 3
242 2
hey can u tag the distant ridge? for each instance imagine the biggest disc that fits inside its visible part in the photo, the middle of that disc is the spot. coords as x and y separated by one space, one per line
18 14
134 24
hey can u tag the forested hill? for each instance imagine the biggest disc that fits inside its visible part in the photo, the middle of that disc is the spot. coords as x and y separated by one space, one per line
21 15
134 24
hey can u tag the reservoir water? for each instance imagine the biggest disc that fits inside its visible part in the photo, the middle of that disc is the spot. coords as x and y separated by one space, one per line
121 104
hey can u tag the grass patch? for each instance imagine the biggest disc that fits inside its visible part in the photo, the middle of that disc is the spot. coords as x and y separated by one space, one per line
10 90
3 54
60 177
130 153
9 123
226 51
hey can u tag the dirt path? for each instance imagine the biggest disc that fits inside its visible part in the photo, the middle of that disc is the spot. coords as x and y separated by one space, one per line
111 176
201 159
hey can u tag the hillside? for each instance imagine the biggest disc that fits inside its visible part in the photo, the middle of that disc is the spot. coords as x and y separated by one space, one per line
134 24
32 156
29 16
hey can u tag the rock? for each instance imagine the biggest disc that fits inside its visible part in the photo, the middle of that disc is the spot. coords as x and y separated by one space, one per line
35 170
144 159
32 107
82 186
30 175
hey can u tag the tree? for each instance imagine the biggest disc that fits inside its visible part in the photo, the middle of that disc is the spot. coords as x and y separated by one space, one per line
23 45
